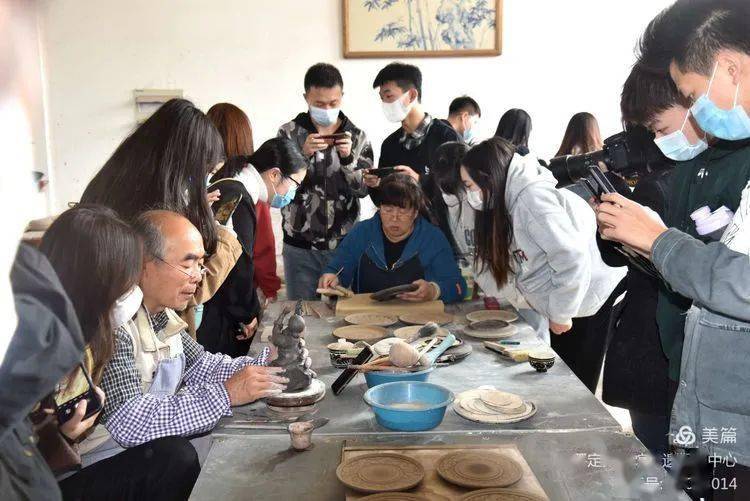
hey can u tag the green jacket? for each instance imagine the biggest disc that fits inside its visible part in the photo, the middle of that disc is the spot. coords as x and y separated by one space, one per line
714 178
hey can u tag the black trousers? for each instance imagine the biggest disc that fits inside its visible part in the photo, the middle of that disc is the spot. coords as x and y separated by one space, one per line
165 469
582 348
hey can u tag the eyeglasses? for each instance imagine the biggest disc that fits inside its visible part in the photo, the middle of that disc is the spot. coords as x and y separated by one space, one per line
202 270
397 213
294 181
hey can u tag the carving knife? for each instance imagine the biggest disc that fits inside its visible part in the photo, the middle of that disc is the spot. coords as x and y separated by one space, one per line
317 423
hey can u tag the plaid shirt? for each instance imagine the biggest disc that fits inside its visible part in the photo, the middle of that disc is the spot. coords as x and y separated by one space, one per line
414 139
133 417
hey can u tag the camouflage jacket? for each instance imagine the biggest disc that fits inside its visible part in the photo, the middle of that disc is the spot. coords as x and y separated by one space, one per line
327 204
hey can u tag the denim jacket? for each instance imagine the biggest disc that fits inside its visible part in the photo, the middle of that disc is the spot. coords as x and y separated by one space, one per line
713 398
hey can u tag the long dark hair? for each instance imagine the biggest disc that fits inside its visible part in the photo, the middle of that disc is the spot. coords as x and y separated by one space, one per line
97 257
278 152
515 126
234 127
487 163
581 136
169 155
446 178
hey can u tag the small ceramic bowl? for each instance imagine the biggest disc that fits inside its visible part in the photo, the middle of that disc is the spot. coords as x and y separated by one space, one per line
542 361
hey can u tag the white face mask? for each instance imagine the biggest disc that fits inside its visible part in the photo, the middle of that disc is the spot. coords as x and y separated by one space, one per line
324 117
126 307
475 200
397 110
677 147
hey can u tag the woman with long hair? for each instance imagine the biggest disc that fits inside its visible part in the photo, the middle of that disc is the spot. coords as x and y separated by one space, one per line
581 136
165 164
271 175
515 127
534 242
237 133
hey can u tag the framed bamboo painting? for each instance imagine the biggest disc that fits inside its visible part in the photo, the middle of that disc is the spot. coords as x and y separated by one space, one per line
422 28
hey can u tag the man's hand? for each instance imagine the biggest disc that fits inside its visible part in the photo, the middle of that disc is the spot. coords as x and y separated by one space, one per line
77 425
560 328
371 180
344 146
254 382
426 292
248 330
628 222
408 171
312 144
213 196
328 281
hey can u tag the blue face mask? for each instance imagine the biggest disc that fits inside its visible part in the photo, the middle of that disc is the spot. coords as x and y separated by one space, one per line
279 201
731 125
677 147
324 117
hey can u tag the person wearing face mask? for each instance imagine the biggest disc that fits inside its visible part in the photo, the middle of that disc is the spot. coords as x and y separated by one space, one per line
411 148
463 117
705 46
270 175
101 280
328 202
397 246
536 245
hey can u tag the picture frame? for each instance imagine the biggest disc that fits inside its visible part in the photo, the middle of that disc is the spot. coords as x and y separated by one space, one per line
422 28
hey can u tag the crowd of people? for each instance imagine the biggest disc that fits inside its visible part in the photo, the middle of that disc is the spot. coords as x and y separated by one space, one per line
146 296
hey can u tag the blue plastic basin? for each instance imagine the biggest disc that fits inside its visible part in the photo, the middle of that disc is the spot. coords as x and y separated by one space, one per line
375 378
409 405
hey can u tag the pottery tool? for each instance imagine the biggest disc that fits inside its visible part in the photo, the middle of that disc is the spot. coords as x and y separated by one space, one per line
317 423
423 360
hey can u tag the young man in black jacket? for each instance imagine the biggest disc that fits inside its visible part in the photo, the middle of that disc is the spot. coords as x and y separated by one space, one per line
411 147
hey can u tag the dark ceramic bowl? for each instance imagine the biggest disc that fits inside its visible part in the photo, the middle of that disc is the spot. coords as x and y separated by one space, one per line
542 362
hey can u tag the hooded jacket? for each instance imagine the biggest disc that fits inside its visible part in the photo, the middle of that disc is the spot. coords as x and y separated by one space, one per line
556 265
45 347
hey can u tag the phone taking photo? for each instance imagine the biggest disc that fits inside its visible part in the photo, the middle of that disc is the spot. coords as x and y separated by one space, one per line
65 410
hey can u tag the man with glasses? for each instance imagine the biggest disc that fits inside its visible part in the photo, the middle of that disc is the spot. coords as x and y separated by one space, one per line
160 382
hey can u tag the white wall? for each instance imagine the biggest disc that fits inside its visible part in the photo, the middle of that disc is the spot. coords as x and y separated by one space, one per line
559 58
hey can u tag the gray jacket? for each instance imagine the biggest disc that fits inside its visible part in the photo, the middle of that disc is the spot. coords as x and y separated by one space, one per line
557 266
713 398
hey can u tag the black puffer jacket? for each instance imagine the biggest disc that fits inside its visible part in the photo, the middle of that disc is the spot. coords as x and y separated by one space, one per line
45 347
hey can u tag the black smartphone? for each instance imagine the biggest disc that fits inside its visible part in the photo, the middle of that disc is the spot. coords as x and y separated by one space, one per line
382 171
348 374
65 410
331 139
224 211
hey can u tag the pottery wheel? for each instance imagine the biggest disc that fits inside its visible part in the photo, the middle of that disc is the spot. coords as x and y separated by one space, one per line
314 393
499 494
394 496
380 473
479 469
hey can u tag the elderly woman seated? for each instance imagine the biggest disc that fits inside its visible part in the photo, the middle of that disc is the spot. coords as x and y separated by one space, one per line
397 246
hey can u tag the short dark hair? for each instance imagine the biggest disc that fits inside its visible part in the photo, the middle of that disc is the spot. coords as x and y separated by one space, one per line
146 226
406 76
401 190
645 94
464 103
323 75
691 32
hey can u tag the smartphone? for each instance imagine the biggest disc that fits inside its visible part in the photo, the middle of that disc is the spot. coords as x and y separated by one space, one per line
65 410
346 377
226 209
382 171
331 139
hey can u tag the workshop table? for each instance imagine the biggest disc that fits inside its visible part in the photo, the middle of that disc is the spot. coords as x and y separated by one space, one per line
570 425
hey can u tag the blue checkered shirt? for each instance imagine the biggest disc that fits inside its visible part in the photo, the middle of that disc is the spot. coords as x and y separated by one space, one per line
133 417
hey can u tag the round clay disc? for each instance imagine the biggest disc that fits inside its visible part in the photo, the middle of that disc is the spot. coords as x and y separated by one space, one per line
425 318
478 469
497 398
394 496
476 316
371 319
458 408
380 472
500 494
369 333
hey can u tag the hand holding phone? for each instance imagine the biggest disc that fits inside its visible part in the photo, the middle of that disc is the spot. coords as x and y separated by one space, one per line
94 398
